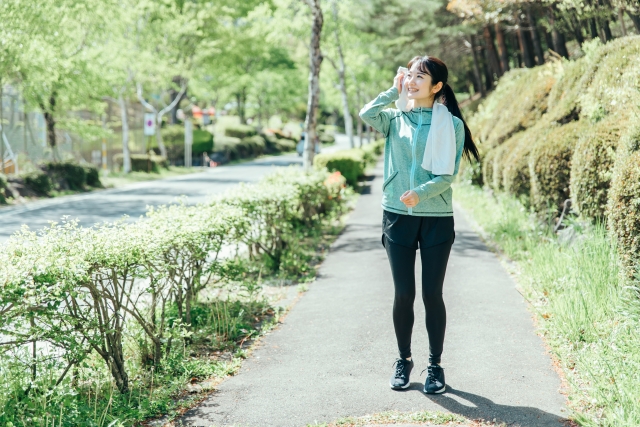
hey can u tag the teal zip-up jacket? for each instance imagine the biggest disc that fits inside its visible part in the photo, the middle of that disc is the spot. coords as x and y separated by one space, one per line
406 138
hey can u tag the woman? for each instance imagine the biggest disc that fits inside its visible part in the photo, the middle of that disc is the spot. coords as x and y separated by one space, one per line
417 201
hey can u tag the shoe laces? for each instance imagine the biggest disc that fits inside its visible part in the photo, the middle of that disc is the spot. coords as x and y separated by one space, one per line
400 365
431 377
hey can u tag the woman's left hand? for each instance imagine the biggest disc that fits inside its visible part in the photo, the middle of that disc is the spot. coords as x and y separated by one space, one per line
410 198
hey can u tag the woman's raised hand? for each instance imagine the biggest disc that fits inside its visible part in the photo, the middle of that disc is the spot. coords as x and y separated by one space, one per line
398 79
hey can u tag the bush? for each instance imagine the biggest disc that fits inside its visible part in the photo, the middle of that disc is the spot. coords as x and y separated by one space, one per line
143 162
66 175
550 167
623 208
39 182
252 146
592 167
93 176
173 138
3 187
326 138
373 151
515 172
240 131
350 163
79 283
524 92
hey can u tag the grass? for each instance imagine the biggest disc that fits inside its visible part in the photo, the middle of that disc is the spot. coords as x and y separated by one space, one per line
226 324
587 311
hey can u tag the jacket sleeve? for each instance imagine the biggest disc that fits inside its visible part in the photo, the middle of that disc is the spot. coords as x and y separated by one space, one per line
440 183
374 113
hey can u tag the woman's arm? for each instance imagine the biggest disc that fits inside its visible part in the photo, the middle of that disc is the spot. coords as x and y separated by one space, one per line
440 183
374 113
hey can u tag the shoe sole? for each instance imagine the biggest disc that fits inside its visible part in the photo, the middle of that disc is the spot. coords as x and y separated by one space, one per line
435 392
402 387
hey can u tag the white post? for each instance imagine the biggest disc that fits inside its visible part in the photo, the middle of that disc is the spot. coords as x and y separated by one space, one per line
188 142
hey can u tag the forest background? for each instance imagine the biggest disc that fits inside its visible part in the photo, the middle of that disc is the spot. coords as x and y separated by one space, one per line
77 74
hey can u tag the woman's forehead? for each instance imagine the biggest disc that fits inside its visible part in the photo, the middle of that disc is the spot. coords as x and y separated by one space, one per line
416 68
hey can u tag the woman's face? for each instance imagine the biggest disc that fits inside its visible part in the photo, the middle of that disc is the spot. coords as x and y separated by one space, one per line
419 84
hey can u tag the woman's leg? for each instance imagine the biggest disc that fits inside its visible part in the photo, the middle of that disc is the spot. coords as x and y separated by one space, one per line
402 260
434 265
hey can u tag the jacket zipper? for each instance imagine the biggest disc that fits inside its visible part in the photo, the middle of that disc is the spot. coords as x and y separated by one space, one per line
413 156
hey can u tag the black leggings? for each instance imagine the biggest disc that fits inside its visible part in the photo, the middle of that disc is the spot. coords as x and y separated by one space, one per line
434 264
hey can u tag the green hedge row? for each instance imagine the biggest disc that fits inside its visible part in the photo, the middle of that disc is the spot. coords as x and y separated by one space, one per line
81 289
569 132
350 163
143 162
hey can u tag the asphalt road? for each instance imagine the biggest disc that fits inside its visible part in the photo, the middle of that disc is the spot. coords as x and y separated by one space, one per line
332 356
132 200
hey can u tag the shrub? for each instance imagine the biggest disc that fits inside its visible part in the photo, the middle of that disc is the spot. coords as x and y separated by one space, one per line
3 187
550 167
487 167
350 163
240 131
228 147
252 146
173 138
39 182
623 208
284 145
66 175
326 138
516 179
93 176
592 167
143 162
518 103
373 151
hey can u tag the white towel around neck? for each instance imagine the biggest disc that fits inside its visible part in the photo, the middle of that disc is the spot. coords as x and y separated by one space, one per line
440 151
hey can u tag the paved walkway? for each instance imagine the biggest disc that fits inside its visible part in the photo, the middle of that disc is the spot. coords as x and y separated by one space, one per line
332 356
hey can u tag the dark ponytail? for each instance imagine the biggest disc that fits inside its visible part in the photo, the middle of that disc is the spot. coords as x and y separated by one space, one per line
439 73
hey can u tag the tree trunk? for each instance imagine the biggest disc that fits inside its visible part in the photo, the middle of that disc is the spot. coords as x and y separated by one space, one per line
161 147
622 24
559 44
535 37
359 120
527 54
593 30
315 61
488 75
491 51
50 120
548 40
348 120
577 29
636 21
606 30
476 66
126 156
502 48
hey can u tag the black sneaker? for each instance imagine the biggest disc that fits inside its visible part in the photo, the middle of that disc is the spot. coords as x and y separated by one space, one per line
400 378
435 380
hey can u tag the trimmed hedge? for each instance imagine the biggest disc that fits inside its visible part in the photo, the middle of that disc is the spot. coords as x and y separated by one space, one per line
550 167
78 284
39 182
173 138
143 162
66 175
240 131
350 163
623 208
516 179
3 187
93 176
592 168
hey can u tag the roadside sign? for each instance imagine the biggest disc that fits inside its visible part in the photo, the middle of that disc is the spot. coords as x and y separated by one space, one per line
149 124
